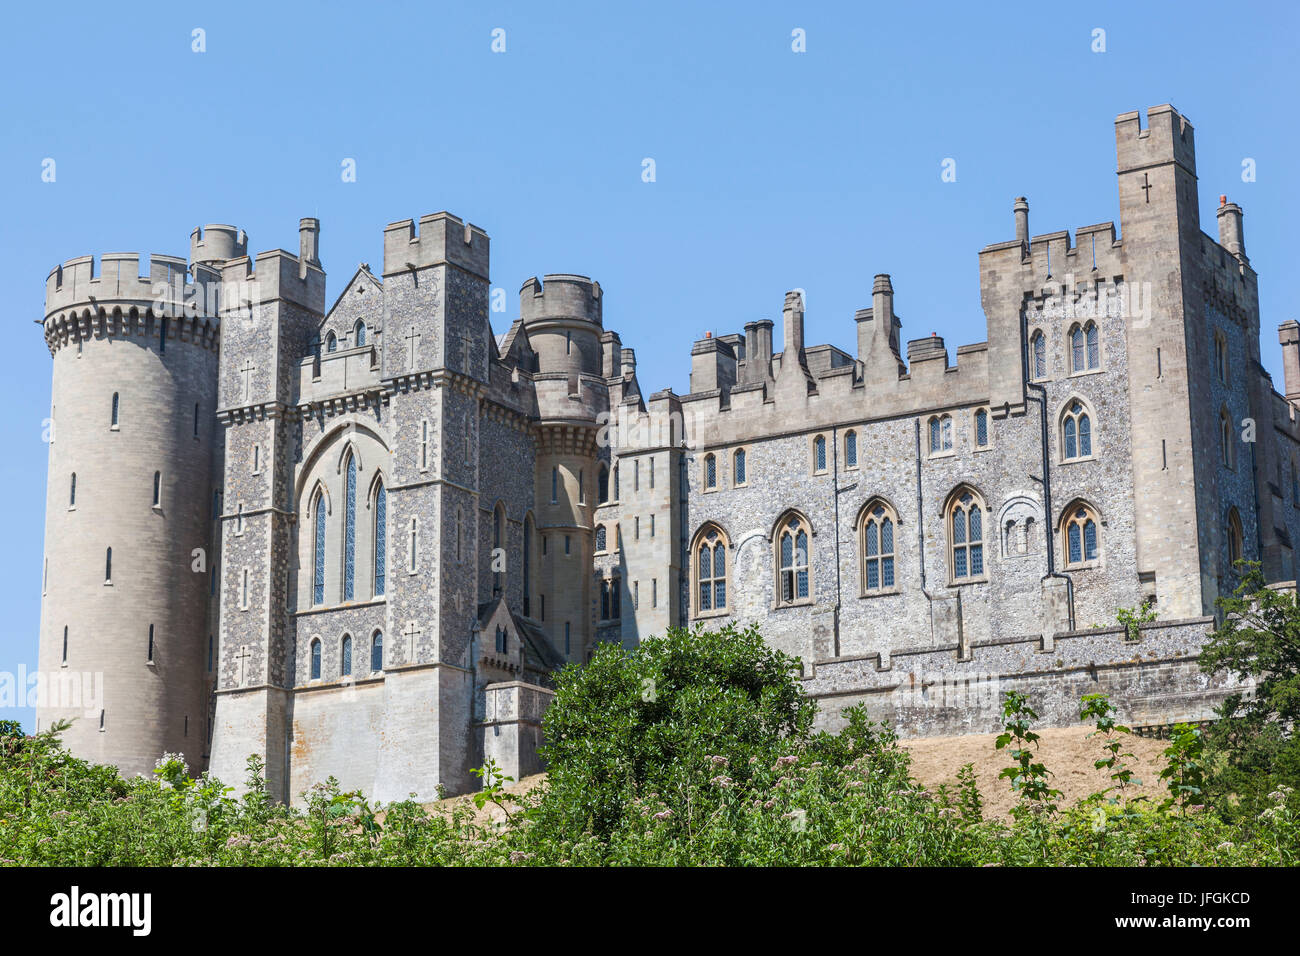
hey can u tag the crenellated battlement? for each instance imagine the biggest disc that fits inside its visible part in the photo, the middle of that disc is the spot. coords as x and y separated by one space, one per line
1167 135
561 296
442 238
217 242
159 285
275 274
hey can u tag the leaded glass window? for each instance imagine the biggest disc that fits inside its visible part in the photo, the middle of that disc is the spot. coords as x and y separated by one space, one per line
360 334
318 559
710 471
315 660
711 557
377 652
819 453
851 449
345 665
1080 536
794 562
981 428
350 531
739 471
1040 355
381 539
878 549
967 537
1076 430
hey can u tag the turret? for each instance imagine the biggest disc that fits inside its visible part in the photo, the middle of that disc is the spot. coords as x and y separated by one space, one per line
1230 233
134 461
562 314
216 243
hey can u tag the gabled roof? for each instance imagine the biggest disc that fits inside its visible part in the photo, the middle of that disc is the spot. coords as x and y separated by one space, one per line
362 276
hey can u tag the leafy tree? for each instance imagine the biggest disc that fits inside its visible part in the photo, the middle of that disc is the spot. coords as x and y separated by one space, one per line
1253 745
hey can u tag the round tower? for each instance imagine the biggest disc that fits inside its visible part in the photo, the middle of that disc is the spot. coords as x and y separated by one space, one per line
562 316
131 506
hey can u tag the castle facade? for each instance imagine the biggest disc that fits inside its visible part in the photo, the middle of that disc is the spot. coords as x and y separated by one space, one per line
359 539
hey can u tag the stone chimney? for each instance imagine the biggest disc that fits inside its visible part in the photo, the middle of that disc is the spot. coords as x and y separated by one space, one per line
611 348
1021 212
1230 234
308 245
758 351
878 329
1288 334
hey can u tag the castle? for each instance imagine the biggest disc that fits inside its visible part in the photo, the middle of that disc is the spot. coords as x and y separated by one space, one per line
358 539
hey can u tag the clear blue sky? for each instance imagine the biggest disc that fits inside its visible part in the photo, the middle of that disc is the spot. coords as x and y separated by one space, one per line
775 170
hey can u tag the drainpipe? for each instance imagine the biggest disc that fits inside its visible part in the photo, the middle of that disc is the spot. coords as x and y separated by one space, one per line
835 479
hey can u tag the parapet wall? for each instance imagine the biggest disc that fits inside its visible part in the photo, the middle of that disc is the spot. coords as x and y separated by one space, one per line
442 238
1153 680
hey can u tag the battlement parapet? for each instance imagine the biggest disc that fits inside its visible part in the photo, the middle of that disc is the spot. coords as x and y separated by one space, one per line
1167 136
442 238
273 275
569 397
165 288
561 296
217 242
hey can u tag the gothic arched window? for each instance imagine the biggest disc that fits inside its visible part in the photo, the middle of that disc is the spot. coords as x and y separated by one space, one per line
1039 348
601 538
981 428
359 333
738 469
793 561
345 657
1226 447
878 524
1081 540
1221 358
315 659
318 556
710 552
1076 432
710 472
350 531
850 449
966 537
331 342
381 539
1236 539
377 652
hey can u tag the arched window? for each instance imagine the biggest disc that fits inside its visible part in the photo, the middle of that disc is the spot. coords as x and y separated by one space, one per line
793 561
1079 524
1235 537
108 566
113 421
1226 448
710 552
315 659
377 652
350 531
345 657
738 469
359 333
966 536
1221 357
940 434
710 472
601 539
412 545
381 539
501 640
1039 348
877 543
1085 354
819 453
1076 432
157 488
318 556
602 485
72 491
850 449
981 428
331 342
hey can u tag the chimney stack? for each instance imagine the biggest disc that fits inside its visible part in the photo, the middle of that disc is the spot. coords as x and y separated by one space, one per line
308 245
1230 234
1021 212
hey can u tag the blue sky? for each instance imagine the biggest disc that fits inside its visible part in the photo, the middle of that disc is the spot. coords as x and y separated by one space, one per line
774 169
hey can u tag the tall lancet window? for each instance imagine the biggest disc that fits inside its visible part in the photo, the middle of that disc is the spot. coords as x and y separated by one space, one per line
350 532
318 576
381 539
